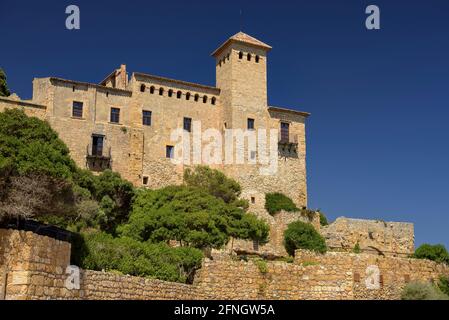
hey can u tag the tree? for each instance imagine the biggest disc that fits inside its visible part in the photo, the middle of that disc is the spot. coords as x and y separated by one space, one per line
35 168
216 183
189 215
301 235
4 91
436 253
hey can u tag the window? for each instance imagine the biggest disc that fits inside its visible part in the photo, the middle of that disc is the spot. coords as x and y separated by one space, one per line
142 88
170 93
152 89
227 56
253 155
77 109
240 55
161 91
169 152
146 118
73 88
205 99
197 96
188 124
285 132
145 180
107 94
253 200
250 124
248 57
115 115
178 94
257 59
188 96
214 100
97 145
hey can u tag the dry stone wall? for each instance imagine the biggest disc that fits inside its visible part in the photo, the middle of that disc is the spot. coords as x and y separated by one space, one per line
34 267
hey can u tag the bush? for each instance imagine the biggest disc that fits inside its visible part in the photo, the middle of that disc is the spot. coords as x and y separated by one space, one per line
323 219
100 251
357 248
436 253
275 202
300 235
189 215
443 284
422 291
261 265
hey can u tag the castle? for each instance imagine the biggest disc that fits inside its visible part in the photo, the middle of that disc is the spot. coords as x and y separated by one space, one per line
126 124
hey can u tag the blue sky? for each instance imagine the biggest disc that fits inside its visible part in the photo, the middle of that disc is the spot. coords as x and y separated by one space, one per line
378 135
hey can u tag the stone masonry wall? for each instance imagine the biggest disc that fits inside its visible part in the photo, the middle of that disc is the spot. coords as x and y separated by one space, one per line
383 238
34 267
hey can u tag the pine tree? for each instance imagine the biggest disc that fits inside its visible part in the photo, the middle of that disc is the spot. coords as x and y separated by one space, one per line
4 92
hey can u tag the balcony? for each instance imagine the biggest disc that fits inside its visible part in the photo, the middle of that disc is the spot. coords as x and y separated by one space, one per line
288 144
98 158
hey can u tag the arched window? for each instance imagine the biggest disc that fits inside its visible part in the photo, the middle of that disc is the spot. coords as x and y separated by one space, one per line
213 100
257 59
197 96
205 99
142 88
178 94
248 57
240 55
152 89
161 91
188 96
170 93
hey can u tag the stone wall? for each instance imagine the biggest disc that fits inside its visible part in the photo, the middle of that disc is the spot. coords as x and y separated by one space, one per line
379 237
34 267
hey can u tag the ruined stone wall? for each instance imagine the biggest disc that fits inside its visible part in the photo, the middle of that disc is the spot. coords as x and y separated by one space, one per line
31 109
394 272
384 238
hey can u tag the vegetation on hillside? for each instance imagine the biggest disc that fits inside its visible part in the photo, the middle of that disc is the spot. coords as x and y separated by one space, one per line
422 291
301 235
437 253
4 91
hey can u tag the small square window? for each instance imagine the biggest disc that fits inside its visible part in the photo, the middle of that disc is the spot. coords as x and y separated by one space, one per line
253 200
250 124
145 181
146 118
115 115
169 152
77 109
188 124
253 155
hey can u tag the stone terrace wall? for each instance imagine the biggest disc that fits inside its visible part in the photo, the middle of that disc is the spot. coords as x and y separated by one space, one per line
395 272
34 267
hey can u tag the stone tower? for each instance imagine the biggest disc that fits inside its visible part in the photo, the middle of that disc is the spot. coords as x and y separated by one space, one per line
241 74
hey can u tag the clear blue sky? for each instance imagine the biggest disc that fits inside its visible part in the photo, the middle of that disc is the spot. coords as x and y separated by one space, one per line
378 136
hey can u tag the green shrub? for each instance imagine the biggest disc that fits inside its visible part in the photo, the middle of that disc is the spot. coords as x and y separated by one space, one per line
300 235
422 291
275 202
4 91
191 216
323 219
262 265
357 248
443 284
436 253
100 251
